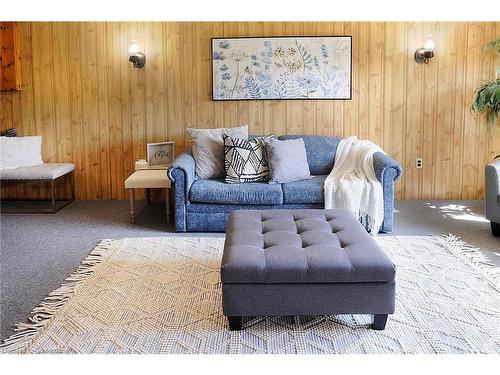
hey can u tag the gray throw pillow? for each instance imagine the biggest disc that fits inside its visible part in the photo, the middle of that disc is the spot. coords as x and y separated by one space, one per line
208 149
287 161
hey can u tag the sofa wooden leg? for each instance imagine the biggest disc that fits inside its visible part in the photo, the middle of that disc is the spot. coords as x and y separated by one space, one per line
378 321
495 229
235 323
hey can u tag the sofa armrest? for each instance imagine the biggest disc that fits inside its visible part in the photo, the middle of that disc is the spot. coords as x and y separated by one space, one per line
387 171
185 164
182 175
381 164
492 191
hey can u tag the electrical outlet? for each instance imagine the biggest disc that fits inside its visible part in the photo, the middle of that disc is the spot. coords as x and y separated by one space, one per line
418 163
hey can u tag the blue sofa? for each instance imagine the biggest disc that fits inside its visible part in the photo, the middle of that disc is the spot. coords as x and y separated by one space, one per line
205 205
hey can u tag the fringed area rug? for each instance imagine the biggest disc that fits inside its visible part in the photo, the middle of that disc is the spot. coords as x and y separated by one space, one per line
162 295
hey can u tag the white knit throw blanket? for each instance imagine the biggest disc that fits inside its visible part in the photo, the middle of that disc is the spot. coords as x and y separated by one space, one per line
353 185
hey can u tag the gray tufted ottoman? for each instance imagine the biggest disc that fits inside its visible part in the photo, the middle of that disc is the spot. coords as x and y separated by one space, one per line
303 262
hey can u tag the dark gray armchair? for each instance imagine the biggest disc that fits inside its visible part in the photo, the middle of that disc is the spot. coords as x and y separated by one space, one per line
492 200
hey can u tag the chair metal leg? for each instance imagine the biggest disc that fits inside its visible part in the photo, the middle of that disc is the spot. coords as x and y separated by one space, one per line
131 205
148 195
53 196
73 194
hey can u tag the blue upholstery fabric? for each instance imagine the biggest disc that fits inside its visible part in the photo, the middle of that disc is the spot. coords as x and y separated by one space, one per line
387 171
307 191
207 215
219 192
182 174
320 151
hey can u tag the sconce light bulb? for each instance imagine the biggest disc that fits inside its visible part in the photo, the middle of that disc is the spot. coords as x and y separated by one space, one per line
133 49
429 44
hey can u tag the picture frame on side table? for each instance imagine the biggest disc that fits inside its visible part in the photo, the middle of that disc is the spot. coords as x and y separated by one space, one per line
160 154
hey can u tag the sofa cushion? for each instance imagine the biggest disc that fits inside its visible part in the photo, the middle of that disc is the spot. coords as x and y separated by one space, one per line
320 151
307 191
217 191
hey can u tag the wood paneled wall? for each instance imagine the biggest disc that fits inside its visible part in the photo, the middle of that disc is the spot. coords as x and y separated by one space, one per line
93 109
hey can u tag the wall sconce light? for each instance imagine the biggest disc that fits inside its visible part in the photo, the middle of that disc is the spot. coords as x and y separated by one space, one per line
136 57
423 55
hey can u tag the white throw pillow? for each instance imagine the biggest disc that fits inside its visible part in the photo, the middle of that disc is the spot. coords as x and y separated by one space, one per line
18 152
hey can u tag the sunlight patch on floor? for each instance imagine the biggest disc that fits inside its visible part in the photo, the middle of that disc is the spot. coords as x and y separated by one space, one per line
458 212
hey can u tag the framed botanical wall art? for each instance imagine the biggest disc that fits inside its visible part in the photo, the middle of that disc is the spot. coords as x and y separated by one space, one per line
317 67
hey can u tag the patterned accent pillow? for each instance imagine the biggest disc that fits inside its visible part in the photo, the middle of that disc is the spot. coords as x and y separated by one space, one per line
245 161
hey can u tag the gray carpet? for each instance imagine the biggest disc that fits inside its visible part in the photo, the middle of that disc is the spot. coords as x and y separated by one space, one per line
39 251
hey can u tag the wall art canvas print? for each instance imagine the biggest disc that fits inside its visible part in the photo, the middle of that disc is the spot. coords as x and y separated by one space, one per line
281 68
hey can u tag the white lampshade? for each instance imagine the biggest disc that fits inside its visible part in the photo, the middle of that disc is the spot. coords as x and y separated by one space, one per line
429 44
133 49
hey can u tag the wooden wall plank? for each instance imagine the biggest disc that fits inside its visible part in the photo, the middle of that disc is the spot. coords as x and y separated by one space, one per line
27 119
429 126
475 42
127 162
189 100
414 107
114 117
103 56
80 92
174 35
75 107
90 124
375 71
394 93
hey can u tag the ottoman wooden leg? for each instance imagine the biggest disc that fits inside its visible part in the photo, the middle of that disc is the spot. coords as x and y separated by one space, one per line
378 321
235 323
131 205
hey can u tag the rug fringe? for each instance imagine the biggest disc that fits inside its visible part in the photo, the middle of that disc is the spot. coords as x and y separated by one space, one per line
473 256
55 301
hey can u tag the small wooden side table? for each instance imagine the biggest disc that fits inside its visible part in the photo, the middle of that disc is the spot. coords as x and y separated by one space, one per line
148 179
